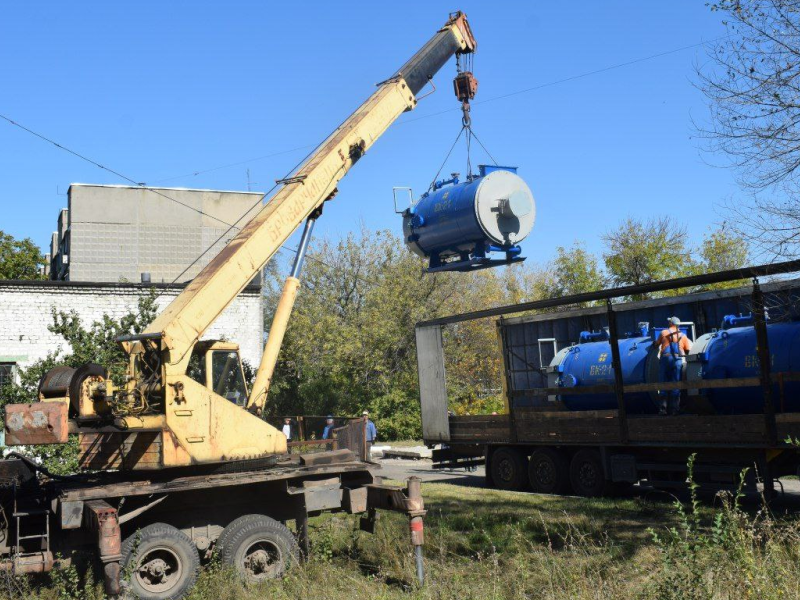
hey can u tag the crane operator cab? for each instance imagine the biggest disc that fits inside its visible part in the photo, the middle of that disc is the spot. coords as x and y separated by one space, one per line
216 365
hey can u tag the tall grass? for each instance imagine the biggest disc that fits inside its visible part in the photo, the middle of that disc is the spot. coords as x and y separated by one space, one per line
491 545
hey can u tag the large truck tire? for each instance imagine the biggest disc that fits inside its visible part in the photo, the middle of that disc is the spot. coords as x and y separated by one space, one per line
258 547
508 468
586 473
548 471
162 562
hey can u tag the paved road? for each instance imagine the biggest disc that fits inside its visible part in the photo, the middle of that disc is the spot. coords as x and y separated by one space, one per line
401 469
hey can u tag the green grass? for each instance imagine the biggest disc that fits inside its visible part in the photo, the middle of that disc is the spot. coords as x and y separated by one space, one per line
485 544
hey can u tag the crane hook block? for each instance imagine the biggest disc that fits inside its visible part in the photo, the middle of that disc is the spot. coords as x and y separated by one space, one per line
465 86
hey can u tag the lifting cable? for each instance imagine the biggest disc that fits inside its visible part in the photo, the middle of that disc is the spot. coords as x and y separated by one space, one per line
465 86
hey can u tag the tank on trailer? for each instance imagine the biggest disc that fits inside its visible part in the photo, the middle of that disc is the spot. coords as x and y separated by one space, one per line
729 353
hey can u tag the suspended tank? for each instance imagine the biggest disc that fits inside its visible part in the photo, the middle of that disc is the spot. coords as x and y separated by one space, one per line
459 225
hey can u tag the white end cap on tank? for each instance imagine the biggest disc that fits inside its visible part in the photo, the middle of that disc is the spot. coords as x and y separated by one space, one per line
505 207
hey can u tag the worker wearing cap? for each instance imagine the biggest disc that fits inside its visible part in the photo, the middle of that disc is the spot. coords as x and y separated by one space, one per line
673 346
372 431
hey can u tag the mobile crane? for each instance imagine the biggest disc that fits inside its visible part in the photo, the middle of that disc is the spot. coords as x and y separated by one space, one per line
176 452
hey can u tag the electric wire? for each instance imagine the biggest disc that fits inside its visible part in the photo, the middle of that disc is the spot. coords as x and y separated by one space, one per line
110 170
236 164
573 77
231 226
492 99
143 186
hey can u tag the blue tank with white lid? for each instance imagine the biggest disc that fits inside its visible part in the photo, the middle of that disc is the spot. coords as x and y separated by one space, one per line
458 226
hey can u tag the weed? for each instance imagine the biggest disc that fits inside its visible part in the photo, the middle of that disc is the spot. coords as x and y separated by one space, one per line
487 544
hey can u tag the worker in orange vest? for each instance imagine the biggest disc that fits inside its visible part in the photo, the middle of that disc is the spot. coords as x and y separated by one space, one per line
673 346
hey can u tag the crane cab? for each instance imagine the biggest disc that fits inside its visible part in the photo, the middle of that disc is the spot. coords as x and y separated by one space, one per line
216 365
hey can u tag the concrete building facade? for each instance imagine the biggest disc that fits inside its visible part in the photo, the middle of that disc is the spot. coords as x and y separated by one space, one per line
114 233
26 308
107 237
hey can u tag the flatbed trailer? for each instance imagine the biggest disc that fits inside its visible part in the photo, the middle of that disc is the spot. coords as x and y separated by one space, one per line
151 530
539 444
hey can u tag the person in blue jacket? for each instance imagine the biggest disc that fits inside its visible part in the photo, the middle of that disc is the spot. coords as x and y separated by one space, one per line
372 431
327 433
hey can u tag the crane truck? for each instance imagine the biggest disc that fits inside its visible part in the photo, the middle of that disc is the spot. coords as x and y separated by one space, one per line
173 467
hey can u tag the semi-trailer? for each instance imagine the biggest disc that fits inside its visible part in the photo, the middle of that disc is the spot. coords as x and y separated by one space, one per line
580 383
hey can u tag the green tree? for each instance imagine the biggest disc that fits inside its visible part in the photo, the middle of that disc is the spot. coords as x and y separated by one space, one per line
19 259
573 271
640 252
96 343
722 250
350 344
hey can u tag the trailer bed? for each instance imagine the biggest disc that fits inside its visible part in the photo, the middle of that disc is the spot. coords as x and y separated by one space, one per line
533 426
111 486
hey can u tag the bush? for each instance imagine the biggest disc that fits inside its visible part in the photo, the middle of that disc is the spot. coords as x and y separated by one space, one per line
396 416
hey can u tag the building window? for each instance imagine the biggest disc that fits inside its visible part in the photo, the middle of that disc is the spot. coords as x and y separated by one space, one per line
7 371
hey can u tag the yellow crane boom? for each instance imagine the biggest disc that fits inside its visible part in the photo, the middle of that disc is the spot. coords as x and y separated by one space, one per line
190 395
192 312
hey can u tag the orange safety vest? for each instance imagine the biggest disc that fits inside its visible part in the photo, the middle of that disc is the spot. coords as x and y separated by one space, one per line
668 336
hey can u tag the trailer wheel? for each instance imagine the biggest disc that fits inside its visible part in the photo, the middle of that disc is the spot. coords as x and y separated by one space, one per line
162 562
548 471
586 473
258 548
508 469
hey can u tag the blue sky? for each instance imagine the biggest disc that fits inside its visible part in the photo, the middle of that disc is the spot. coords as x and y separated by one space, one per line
156 90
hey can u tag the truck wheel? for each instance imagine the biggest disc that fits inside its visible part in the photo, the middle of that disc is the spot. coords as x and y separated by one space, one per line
586 473
258 548
162 563
508 469
548 471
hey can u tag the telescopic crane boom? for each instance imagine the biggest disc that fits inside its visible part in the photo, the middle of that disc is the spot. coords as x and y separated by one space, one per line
192 392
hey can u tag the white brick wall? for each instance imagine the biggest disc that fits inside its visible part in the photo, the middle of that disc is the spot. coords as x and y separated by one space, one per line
25 313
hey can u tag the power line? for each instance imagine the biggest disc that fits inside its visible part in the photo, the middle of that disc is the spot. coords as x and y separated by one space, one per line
232 226
487 100
236 164
157 192
574 77
110 170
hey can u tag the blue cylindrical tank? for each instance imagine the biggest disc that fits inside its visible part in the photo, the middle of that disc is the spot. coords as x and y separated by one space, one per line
731 353
493 212
589 363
